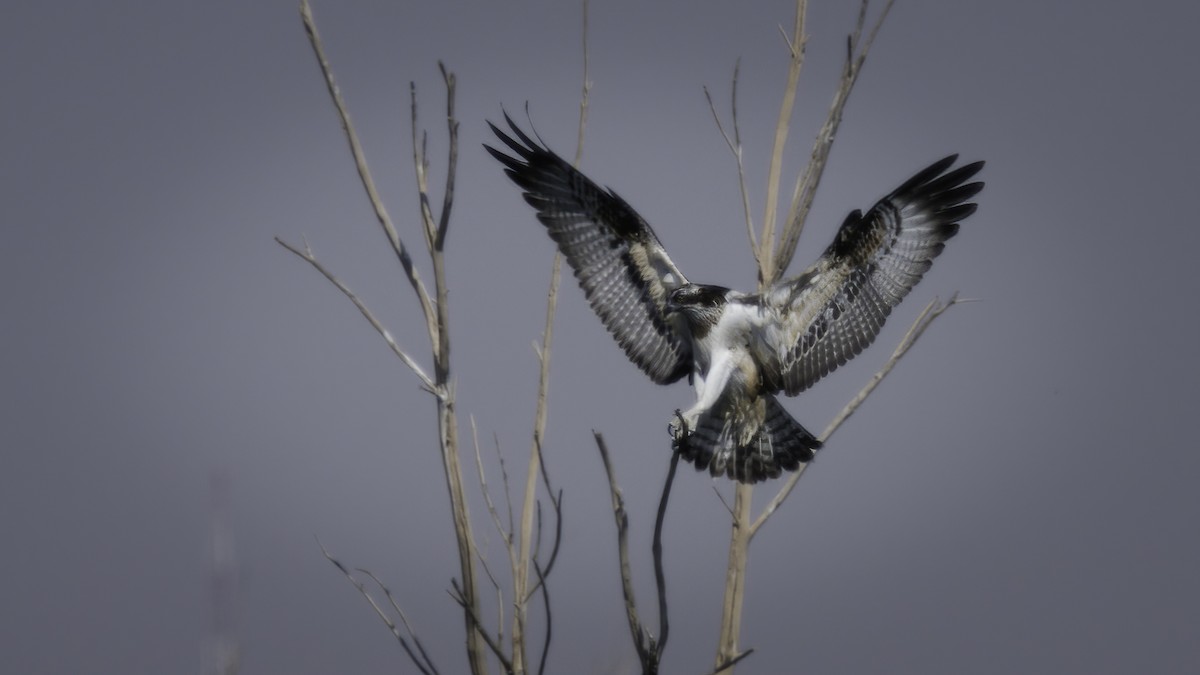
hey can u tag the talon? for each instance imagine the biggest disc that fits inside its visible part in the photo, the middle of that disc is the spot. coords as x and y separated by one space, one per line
678 432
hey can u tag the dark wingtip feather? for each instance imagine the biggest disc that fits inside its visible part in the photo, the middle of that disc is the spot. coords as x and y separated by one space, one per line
532 144
928 174
957 213
523 151
512 163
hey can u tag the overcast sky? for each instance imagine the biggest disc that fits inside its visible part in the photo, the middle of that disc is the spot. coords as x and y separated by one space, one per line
1018 496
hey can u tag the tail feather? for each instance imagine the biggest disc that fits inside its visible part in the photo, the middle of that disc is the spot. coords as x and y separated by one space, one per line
778 444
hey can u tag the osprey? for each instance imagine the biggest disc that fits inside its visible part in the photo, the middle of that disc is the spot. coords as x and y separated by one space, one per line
740 349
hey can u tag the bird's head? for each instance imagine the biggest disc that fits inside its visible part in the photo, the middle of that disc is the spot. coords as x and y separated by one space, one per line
699 303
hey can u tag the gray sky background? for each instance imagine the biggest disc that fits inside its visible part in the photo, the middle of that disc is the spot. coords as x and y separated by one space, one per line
1019 496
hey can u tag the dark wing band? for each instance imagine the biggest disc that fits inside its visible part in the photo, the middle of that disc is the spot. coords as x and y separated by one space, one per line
622 268
834 310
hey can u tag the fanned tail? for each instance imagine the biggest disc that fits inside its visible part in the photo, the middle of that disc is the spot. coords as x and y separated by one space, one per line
779 444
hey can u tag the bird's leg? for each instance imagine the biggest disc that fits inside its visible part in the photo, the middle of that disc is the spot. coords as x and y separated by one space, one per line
708 391
678 432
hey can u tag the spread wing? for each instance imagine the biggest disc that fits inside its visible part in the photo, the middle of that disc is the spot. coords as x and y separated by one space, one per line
620 264
827 315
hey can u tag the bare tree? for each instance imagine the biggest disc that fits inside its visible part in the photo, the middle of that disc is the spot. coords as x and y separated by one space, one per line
773 250
523 543
522 529
773 254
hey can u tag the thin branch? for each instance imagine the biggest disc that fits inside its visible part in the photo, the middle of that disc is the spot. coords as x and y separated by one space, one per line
660 580
360 163
521 571
307 256
387 592
643 643
724 502
585 93
735 575
452 163
504 536
537 569
422 664
483 487
556 502
521 574
932 311
735 146
507 491
795 62
457 595
726 665
806 187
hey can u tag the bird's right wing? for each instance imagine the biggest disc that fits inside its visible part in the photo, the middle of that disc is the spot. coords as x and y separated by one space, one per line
834 310
620 264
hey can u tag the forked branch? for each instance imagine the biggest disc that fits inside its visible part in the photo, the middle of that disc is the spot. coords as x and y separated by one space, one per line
806 187
648 648
419 658
434 310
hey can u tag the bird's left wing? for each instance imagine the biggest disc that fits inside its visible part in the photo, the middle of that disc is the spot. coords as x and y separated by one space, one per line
620 264
817 321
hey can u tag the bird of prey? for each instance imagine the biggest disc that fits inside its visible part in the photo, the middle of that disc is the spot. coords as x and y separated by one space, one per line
740 349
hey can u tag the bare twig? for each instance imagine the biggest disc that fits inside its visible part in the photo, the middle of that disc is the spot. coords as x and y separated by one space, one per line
549 618
556 503
773 258
724 502
735 147
307 256
806 187
420 659
735 576
726 665
483 487
434 309
585 94
521 571
656 549
452 161
796 46
932 311
507 491
521 588
387 592
360 163
457 595
643 642
505 535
